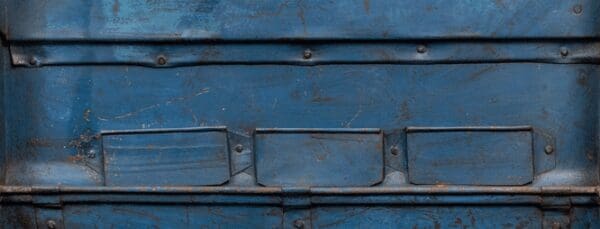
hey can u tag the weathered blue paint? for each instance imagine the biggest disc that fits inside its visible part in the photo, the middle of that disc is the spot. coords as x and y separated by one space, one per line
471 157
316 157
193 157
300 114
140 20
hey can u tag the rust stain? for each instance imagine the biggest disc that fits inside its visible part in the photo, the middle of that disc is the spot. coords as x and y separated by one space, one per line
582 80
405 111
481 72
367 6
458 221
269 13
320 99
210 53
75 159
522 224
37 142
132 212
500 3
301 15
116 7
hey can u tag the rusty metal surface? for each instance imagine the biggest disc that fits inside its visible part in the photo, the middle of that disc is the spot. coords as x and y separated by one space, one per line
300 114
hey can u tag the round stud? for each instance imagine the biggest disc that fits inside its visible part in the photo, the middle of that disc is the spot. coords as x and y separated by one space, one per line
238 148
33 61
421 49
578 9
307 54
161 60
564 51
51 224
548 149
298 224
395 151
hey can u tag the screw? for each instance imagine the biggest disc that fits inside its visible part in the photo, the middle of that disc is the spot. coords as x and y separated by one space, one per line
161 60
33 61
298 224
548 149
395 150
307 54
51 224
578 9
564 51
239 148
421 49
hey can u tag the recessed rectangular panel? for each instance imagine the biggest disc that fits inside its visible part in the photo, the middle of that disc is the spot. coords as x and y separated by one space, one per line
426 217
171 216
166 158
460 156
325 157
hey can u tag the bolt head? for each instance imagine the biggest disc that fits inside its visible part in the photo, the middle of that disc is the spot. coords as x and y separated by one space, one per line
161 60
395 151
238 148
51 224
421 48
33 61
578 9
307 54
564 51
549 149
298 224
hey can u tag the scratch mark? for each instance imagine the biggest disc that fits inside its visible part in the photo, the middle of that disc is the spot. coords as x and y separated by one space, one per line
355 116
274 104
153 106
301 14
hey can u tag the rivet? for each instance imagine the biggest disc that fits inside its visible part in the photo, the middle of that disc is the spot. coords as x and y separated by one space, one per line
298 224
307 54
51 224
548 149
33 61
578 9
161 60
91 154
421 49
238 148
395 150
564 51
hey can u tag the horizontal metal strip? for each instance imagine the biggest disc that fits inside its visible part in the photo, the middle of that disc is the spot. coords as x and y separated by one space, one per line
318 130
314 53
186 20
163 130
411 129
363 199
418 190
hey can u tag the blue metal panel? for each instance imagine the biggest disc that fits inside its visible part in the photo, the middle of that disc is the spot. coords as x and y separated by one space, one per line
481 156
190 157
184 20
312 157
427 217
177 216
299 114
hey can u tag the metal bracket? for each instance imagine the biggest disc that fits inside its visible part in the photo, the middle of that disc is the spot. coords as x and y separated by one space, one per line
295 197
45 197
556 210
556 203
